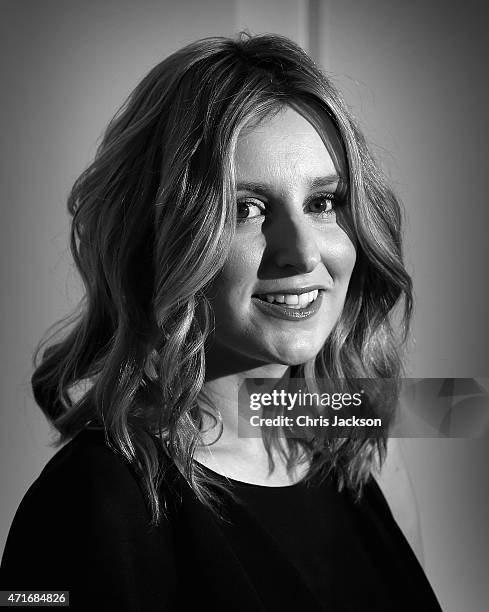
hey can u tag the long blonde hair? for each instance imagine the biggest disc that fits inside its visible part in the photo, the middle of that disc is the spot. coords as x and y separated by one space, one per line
153 219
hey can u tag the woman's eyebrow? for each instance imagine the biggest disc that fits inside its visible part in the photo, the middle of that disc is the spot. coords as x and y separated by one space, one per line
325 181
311 183
260 188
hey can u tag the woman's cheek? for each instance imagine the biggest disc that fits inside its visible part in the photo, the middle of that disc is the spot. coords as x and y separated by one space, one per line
338 254
240 272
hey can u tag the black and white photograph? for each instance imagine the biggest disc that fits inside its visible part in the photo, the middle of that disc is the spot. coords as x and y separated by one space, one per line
245 305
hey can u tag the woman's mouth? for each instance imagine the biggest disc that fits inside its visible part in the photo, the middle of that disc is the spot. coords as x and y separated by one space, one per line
289 306
291 300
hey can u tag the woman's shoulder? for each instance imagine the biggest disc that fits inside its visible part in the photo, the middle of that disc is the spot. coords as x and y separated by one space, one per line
88 474
83 465
395 484
88 452
85 521
86 484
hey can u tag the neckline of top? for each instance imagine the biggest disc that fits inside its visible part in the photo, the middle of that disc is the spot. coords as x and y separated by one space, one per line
242 483
239 483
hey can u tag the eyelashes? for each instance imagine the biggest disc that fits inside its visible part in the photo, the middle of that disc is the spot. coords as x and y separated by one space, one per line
321 206
324 205
246 206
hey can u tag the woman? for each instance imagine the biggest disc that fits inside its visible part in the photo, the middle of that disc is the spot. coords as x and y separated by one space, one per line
232 226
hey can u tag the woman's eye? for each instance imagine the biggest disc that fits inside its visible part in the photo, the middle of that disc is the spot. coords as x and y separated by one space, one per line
323 206
248 209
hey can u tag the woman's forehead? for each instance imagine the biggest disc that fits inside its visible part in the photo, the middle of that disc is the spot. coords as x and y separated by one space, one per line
286 147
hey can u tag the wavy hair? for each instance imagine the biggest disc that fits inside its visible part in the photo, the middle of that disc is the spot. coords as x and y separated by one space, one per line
153 218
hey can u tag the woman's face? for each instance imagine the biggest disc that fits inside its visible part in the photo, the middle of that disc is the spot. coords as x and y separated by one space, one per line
283 285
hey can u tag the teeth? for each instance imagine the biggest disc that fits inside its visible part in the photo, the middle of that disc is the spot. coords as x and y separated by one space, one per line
292 300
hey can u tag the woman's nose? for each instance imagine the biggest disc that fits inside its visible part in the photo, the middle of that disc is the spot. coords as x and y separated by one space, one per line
295 245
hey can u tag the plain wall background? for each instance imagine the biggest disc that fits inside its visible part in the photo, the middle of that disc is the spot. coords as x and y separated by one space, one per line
414 75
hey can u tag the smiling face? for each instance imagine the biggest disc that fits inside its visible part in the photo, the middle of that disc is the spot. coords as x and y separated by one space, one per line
283 285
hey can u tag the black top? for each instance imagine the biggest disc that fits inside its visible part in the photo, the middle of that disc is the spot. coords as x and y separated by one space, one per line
83 526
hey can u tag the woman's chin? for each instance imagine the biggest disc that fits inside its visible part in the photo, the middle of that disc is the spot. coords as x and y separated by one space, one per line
295 356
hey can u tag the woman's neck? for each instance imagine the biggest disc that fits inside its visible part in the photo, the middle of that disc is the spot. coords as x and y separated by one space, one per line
230 446
226 396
